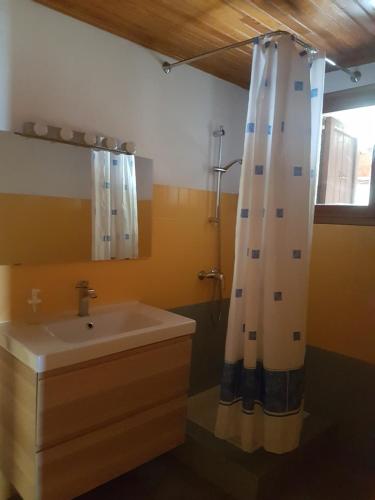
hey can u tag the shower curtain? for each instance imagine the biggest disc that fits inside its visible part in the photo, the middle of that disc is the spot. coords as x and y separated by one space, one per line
261 399
114 206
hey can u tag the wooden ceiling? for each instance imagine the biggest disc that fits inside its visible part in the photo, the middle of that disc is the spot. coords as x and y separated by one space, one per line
184 28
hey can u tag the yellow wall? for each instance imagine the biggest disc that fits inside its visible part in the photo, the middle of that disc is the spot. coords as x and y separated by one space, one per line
342 277
44 229
183 242
49 229
144 228
342 291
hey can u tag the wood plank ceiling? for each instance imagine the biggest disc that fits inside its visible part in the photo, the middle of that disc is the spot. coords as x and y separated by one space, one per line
184 28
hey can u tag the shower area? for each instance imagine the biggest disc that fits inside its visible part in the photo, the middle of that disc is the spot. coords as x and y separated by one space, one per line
258 475
243 476
249 429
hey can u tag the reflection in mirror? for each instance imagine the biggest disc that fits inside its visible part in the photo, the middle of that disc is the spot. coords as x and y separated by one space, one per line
114 206
48 198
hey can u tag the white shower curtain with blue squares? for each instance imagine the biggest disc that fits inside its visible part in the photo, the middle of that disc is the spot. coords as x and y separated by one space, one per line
114 206
261 400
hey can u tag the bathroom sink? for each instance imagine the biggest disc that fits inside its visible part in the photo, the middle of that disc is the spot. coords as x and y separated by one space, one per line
98 325
107 330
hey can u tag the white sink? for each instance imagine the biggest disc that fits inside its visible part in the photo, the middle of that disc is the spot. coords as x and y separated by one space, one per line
72 339
105 324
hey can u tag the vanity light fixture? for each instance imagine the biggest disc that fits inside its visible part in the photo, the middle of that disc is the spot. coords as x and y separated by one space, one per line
66 134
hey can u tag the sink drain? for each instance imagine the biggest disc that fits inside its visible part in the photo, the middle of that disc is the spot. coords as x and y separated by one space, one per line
90 325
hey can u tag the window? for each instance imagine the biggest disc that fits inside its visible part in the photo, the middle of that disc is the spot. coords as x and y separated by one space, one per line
346 183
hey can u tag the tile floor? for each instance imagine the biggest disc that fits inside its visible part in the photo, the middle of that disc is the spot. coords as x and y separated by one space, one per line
336 476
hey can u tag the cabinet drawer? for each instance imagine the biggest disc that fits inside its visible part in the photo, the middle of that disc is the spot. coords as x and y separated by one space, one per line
72 468
101 392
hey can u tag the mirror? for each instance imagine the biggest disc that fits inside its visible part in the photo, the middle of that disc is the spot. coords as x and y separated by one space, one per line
66 203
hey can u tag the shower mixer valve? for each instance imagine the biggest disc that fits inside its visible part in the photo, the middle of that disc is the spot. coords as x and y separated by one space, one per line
211 274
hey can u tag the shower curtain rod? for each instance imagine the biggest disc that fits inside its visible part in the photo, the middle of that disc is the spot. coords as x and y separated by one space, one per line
355 75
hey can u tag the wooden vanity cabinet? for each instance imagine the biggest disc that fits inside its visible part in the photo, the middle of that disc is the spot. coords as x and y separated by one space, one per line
65 431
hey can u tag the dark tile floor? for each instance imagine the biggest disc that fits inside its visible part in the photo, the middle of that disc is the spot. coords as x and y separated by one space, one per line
336 475
161 479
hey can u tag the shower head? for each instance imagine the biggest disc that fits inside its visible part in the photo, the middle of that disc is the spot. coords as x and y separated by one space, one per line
227 166
230 164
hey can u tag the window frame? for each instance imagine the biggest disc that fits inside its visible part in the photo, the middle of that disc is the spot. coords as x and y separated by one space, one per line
349 214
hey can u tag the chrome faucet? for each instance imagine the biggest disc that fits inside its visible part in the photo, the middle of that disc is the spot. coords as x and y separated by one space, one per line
85 294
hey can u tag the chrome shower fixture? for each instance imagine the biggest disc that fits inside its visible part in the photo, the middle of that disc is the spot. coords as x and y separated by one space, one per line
220 170
213 273
355 75
227 166
217 278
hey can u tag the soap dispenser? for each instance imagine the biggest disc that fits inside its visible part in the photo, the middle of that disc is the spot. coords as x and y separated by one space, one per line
34 309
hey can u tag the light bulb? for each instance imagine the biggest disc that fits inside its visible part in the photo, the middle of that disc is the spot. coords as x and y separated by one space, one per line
129 147
110 142
89 138
40 129
66 134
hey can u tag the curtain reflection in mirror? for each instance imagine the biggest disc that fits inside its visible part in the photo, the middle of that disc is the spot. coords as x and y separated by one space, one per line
114 206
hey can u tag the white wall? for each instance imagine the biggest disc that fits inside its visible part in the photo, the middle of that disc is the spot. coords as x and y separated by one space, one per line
69 73
338 80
